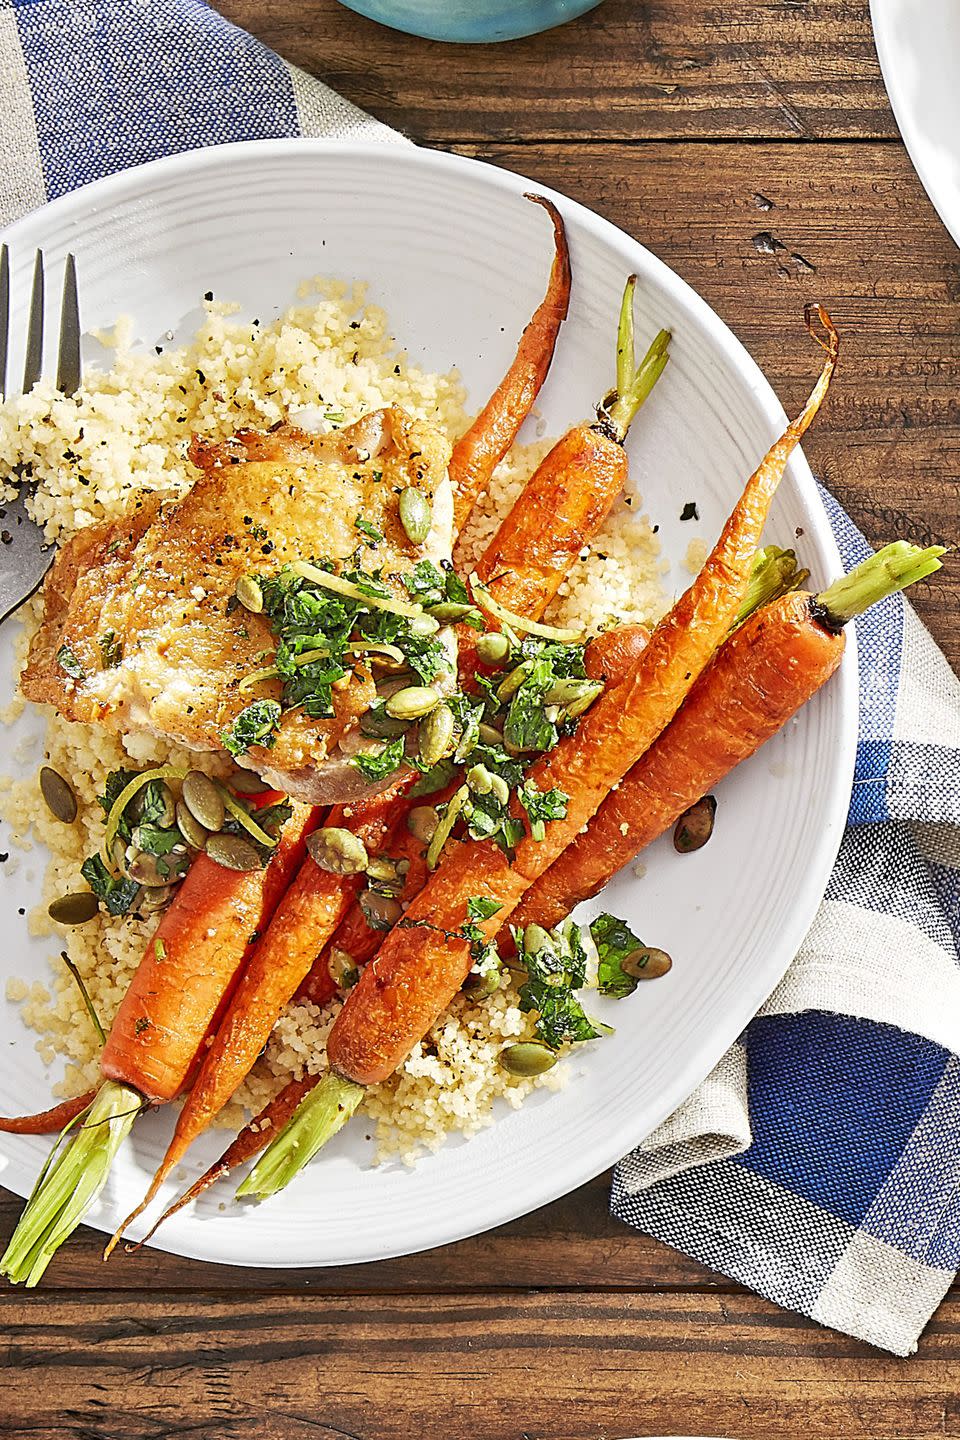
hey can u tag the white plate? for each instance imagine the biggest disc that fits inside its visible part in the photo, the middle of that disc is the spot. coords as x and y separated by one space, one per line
918 46
459 259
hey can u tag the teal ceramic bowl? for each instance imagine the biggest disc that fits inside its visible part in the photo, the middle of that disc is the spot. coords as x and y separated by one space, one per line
476 22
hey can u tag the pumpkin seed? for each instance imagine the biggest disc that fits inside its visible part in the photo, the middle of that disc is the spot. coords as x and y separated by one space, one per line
646 964
485 983
490 735
249 594
233 852
189 826
695 826
74 909
499 788
511 684
143 868
493 647
448 612
203 800
574 696
337 850
383 870
535 939
479 779
154 897
377 725
435 735
61 801
422 822
344 971
528 1058
245 782
415 515
424 625
412 702
381 912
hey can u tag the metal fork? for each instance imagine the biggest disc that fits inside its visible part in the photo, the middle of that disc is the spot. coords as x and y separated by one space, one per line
25 556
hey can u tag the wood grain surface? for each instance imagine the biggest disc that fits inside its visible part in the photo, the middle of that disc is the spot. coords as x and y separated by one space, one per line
751 146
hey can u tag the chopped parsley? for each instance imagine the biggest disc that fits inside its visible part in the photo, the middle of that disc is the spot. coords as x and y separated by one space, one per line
479 907
370 531
556 966
315 629
534 720
541 806
116 893
69 663
256 725
615 941
379 767
111 650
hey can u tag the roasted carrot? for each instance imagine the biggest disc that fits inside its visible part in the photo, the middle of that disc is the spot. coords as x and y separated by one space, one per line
184 982
422 964
164 1020
306 916
483 445
612 654
47 1122
769 668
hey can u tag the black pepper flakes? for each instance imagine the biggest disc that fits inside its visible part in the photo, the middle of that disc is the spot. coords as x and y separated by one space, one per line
690 511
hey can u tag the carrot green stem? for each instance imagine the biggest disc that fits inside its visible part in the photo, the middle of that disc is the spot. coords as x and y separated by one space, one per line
893 568
318 1117
775 573
626 356
634 382
622 412
70 1182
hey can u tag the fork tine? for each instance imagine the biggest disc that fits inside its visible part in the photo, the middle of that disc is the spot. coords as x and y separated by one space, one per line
33 363
68 357
4 316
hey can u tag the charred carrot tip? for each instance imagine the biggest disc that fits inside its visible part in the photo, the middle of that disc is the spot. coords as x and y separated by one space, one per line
832 342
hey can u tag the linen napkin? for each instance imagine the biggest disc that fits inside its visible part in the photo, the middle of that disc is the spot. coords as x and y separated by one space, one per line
820 1162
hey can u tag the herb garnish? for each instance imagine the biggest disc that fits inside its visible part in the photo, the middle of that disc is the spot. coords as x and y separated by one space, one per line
69 663
556 966
111 649
541 806
256 725
615 941
379 767
370 531
116 893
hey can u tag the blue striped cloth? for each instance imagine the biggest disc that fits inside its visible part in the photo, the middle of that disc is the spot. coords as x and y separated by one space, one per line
820 1163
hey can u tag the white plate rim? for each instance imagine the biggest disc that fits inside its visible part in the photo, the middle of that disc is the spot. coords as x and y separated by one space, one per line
944 198
542 1188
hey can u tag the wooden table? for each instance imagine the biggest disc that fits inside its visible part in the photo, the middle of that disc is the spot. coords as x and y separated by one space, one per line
752 147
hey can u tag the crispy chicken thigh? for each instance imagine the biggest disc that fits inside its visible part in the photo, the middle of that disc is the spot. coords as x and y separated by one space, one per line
141 630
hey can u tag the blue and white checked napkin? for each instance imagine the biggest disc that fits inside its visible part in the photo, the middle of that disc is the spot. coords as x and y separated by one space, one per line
820 1163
